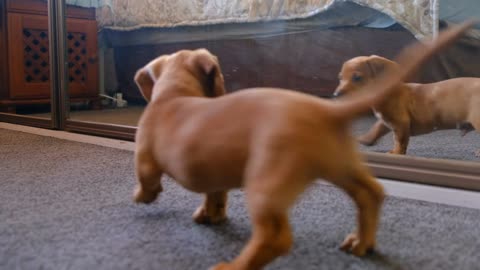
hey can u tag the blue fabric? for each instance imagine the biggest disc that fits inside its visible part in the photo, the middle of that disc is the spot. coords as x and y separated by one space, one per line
459 10
450 10
90 3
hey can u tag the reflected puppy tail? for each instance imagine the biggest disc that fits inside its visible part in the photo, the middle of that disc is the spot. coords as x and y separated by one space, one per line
410 59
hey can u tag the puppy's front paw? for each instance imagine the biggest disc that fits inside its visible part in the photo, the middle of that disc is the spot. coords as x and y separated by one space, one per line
353 245
397 152
143 196
222 266
201 216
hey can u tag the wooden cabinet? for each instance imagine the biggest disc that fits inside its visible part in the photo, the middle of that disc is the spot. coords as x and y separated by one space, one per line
25 57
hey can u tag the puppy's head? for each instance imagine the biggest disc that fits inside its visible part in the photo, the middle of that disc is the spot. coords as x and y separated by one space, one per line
358 71
199 69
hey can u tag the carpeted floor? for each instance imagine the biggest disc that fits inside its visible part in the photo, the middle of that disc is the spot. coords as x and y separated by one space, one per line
443 144
67 205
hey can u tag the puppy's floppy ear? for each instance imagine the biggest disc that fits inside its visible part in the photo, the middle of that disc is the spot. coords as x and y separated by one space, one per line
376 65
214 83
145 83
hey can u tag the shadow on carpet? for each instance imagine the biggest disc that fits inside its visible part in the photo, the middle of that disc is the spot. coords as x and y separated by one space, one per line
67 205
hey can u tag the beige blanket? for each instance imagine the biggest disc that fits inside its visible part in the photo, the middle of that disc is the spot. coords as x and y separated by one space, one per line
418 16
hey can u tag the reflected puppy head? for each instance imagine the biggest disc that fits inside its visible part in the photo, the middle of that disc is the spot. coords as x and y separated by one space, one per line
358 71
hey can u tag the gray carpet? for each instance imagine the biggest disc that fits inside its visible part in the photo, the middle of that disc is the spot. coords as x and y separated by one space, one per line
443 144
67 205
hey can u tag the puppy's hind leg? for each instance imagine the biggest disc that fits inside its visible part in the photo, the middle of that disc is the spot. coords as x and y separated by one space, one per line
213 209
477 153
475 121
270 192
368 196
148 176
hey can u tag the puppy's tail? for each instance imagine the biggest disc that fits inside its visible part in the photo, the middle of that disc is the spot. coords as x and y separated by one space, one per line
409 60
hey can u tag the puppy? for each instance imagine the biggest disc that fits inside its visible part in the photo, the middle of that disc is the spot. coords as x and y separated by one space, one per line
272 142
413 109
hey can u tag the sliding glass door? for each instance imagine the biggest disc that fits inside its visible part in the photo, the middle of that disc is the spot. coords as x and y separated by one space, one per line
69 65
27 63
96 103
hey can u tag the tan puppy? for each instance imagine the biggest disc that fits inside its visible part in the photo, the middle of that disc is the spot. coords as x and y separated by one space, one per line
413 109
272 142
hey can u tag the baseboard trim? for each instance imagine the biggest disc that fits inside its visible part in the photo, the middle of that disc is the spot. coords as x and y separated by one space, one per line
112 131
438 172
26 120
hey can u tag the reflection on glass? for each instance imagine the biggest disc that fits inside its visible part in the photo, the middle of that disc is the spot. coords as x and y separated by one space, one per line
287 44
95 92
24 82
